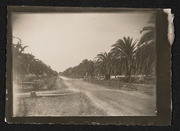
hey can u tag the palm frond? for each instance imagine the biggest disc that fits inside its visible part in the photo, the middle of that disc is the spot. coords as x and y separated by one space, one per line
148 28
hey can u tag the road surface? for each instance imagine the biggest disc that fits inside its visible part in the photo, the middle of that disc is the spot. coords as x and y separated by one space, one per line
85 99
114 102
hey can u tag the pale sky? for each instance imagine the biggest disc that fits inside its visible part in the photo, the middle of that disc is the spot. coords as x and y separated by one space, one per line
63 40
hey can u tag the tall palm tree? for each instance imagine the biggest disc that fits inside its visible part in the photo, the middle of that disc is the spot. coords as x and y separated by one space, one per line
145 54
104 63
18 48
18 59
148 33
124 51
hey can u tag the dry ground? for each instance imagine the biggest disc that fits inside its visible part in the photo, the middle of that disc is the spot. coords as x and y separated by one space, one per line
79 98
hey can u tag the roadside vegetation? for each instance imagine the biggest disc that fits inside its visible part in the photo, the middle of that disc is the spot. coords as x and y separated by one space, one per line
129 61
30 73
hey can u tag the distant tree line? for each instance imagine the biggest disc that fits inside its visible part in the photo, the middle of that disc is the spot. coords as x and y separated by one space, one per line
127 57
86 67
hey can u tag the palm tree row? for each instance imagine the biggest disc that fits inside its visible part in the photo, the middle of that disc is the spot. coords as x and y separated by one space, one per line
127 57
25 63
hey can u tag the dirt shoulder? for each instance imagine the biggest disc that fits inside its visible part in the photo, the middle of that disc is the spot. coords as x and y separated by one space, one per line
74 97
149 89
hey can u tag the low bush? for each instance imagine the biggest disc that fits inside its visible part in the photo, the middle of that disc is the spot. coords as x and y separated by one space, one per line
30 84
29 77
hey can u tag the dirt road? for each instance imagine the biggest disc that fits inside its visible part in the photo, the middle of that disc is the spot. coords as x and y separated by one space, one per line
79 98
114 102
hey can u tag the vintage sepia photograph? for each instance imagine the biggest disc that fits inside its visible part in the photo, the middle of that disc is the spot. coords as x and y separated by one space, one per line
84 64
73 64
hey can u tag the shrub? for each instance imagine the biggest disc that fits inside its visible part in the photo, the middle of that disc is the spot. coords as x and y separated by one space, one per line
29 77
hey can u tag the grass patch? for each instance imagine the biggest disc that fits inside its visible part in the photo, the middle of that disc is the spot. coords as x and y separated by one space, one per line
116 84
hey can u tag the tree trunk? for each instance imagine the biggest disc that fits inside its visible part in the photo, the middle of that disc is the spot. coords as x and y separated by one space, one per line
107 76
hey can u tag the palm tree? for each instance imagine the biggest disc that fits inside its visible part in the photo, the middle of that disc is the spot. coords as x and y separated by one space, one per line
148 33
18 48
145 53
115 66
18 58
104 64
124 51
25 63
